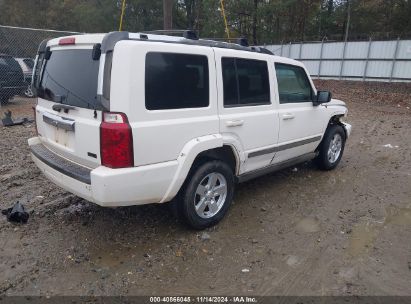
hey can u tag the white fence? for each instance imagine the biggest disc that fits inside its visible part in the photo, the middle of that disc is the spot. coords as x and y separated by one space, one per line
365 60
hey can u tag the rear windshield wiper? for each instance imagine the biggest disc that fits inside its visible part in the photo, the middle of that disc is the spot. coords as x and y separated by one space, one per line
59 107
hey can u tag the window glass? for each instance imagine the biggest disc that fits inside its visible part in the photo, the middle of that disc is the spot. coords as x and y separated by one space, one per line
229 82
293 84
70 77
176 81
246 82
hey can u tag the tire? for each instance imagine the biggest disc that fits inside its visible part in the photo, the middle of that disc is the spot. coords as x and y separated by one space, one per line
196 194
29 92
331 148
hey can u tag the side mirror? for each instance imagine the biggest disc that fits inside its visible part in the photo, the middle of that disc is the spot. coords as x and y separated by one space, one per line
322 97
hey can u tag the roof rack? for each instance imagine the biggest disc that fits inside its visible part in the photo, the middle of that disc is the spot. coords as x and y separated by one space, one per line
241 41
188 37
188 34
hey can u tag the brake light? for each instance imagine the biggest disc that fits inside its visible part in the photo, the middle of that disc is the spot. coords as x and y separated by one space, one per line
116 141
67 41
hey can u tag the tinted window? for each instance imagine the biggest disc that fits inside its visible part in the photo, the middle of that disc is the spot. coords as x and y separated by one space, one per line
176 81
70 77
10 63
230 82
11 73
293 84
245 82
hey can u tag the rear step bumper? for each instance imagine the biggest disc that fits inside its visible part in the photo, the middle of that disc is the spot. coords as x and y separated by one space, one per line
61 165
104 186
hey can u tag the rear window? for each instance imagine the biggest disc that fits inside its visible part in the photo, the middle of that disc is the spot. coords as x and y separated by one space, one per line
70 77
176 81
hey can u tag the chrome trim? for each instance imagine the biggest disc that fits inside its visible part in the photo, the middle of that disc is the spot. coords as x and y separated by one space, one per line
59 122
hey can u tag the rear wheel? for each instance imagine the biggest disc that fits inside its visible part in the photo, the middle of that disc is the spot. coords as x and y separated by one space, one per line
331 148
206 195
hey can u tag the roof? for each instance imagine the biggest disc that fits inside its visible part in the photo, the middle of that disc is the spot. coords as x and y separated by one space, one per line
189 37
109 40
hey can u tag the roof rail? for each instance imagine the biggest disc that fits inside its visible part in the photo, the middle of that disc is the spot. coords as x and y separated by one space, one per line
241 41
189 37
188 34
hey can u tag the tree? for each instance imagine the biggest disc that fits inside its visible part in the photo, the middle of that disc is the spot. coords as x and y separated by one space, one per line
168 14
261 21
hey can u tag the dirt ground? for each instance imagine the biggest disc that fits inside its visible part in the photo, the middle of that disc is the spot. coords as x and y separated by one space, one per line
296 232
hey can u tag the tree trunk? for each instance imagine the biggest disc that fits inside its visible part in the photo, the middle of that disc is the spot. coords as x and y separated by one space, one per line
255 42
168 14
190 5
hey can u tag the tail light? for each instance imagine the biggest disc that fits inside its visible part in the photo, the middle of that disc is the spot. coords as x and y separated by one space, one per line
116 141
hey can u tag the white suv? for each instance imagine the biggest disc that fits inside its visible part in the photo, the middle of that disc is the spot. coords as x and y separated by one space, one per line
133 118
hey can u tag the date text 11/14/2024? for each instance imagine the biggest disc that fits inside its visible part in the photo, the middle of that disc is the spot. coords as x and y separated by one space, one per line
203 299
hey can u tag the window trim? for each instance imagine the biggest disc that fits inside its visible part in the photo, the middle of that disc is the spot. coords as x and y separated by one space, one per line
177 109
306 76
238 104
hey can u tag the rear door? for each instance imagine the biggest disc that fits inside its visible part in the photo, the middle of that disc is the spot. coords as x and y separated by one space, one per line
69 112
247 108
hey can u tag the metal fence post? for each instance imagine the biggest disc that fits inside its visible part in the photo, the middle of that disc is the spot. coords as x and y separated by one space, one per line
343 58
282 48
289 50
367 60
301 49
394 60
321 59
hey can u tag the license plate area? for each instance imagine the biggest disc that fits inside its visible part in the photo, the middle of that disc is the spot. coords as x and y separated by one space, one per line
60 130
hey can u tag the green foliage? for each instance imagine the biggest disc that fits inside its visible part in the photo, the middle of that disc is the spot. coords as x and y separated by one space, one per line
261 21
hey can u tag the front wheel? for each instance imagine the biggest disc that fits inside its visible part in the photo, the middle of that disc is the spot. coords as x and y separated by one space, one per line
331 148
206 195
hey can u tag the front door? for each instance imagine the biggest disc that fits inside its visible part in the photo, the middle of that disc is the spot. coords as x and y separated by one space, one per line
301 123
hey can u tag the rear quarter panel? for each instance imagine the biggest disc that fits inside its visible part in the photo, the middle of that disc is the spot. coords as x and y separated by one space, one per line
158 135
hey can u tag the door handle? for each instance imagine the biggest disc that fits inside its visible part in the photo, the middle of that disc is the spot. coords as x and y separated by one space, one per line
288 116
234 123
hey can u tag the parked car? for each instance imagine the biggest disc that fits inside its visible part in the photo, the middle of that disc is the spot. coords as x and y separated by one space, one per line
11 78
27 65
129 119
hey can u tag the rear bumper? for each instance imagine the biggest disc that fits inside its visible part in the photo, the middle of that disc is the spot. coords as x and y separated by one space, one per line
104 186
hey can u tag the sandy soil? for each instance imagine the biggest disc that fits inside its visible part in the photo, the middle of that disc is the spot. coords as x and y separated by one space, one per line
296 232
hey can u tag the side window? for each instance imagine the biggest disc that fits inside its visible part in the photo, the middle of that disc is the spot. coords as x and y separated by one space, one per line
246 82
293 84
176 81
